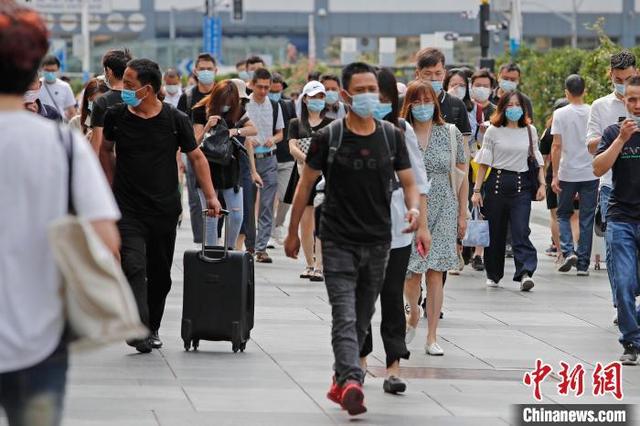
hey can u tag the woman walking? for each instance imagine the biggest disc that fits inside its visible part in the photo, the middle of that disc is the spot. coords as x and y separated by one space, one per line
223 104
393 324
510 149
447 217
312 119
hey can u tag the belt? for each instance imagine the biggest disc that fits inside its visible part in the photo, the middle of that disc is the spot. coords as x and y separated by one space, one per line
265 155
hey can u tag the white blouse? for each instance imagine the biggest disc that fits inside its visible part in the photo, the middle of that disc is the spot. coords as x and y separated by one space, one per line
508 148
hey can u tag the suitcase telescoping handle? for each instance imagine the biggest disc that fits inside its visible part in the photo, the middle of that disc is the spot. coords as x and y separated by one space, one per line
203 254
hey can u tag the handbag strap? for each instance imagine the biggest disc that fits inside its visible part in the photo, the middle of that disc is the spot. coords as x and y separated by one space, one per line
531 151
452 157
68 147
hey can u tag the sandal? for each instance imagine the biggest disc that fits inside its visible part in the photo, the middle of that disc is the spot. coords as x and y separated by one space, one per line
308 272
317 276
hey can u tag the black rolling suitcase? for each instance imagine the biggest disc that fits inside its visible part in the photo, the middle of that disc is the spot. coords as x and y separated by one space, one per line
218 301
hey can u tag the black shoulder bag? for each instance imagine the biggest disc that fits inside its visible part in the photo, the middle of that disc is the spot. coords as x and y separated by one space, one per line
217 145
534 167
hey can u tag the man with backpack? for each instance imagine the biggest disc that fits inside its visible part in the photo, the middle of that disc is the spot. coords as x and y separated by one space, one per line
266 115
205 69
146 134
359 157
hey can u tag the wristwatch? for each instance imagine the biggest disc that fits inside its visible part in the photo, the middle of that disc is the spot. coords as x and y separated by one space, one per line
477 191
238 132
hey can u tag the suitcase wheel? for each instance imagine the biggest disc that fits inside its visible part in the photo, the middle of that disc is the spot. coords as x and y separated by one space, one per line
235 348
187 345
196 344
243 346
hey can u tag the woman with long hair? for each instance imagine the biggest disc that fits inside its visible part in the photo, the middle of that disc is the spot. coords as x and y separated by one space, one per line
439 143
223 104
393 324
312 119
510 148
95 88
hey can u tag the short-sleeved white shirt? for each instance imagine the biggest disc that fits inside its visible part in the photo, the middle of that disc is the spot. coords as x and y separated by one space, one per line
59 95
605 111
507 148
33 187
570 123
261 115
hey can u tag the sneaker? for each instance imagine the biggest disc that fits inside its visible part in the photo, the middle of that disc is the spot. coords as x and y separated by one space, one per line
568 263
583 273
492 283
317 276
263 257
154 340
527 283
271 245
409 335
308 272
276 235
434 349
508 252
142 345
352 398
477 264
335 392
630 356
394 385
454 272
551 251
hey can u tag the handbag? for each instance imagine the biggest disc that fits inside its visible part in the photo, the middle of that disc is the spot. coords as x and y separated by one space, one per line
217 145
99 305
534 167
477 234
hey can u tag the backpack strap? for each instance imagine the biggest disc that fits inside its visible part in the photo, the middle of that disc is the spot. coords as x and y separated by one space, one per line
336 130
389 133
189 95
274 108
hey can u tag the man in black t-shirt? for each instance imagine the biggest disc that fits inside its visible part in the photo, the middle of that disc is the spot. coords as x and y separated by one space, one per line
205 70
114 63
358 157
619 151
146 134
508 81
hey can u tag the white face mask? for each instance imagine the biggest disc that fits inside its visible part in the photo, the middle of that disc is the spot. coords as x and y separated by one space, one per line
30 96
458 91
480 94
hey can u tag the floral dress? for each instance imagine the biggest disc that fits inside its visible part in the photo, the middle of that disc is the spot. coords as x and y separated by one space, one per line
442 204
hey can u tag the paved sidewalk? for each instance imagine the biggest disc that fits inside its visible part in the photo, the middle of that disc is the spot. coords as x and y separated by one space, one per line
490 337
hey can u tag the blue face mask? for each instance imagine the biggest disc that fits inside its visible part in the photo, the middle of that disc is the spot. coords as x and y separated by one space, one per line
50 76
514 113
384 109
365 104
316 105
129 97
423 112
332 97
508 85
243 75
437 86
206 77
226 109
620 89
275 97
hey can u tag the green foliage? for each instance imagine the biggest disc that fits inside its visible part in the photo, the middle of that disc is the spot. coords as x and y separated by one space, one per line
543 73
296 75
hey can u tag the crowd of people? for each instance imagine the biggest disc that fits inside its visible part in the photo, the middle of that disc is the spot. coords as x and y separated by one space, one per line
376 178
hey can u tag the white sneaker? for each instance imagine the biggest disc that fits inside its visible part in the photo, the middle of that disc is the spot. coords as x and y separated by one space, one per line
527 283
615 316
583 273
410 335
276 235
433 349
492 283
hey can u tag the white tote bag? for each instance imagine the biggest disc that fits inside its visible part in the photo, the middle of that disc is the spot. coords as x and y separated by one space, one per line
99 305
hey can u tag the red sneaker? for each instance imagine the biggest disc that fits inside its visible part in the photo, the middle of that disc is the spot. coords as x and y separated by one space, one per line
335 392
353 398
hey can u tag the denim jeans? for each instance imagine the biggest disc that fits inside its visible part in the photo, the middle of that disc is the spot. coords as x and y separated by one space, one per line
624 241
588 193
605 193
267 168
233 201
354 276
195 211
34 396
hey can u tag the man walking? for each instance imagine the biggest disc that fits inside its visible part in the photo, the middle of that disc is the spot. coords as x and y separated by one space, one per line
573 175
205 70
266 115
56 92
358 157
114 63
618 151
172 87
146 134
508 80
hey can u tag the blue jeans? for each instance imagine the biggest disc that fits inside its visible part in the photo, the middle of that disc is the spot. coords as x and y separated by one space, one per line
195 211
35 395
588 193
234 202
624 242
605 193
